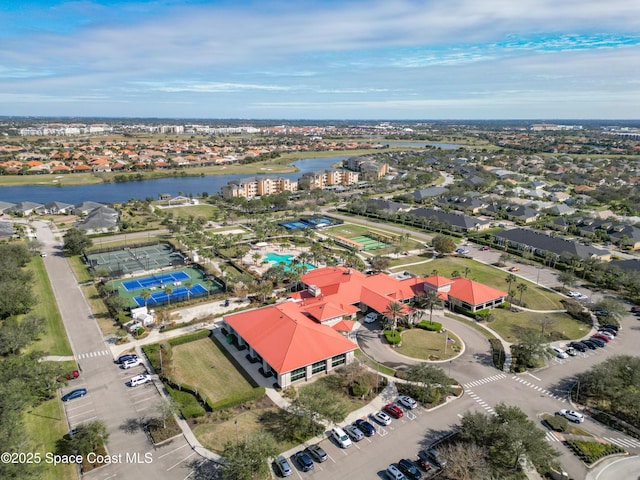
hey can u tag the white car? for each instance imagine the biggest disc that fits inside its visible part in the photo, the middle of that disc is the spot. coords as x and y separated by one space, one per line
571 415
606 334
407 402
133 362
139 380
371 317
560 353
382 418
573 294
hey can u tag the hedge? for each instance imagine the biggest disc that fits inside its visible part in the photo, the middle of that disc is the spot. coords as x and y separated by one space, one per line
430 326
393 336
190 407
190 337
498 353
557 423
590 452
249 396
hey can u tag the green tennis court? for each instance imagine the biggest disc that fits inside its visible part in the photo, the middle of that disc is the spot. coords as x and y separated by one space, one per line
135 259
369 243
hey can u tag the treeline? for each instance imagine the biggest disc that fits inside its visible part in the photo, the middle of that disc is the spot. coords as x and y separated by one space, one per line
25 381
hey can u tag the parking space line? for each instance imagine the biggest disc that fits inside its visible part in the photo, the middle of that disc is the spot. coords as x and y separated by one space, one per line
174 450
183 460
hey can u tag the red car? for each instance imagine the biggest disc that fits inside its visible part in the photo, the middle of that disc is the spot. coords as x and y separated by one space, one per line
604 338
485 248
71 375
393 410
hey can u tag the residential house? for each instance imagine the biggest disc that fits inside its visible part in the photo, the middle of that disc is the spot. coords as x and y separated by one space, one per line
455 221
99 220
27 208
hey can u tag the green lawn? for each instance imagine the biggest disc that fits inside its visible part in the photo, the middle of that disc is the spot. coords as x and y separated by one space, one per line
418 343
80 269
511 325
54 341
46 424
535 297
203 365
204 211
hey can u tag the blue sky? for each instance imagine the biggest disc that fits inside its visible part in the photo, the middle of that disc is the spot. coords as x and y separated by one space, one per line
334 59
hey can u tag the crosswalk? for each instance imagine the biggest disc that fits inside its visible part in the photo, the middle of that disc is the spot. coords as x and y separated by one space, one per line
482 381
99 353
553 437
538 388
488 408
623 442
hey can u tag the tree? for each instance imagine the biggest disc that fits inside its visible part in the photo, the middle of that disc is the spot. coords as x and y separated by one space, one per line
379 264
15 334
428 376
465 461
509 437
188 284
76 241
615 309
567 279
167 407
246 458
89 437
521 287
428 299
394 311
443 244
313 406
510 278
531 349
145 295
168 291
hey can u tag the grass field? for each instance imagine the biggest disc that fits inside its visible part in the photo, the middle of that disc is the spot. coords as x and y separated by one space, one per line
511 325
47 424
203 365
535 297
54 341
80 269
204 211
418 343
108 325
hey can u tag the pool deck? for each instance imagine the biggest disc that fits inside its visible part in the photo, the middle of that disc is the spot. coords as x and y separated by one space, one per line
263 250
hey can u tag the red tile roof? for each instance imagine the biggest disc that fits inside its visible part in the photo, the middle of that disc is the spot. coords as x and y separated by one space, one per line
285 338
474 293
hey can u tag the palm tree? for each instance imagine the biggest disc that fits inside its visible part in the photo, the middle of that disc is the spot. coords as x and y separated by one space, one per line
188 284
510 279
467 271
394 311
146 295
168 290
521 287
256 256
428 299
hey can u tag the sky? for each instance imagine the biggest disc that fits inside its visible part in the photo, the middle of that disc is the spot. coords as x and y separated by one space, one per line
333 59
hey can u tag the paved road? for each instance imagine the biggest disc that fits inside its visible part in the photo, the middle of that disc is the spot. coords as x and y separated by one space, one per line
122 408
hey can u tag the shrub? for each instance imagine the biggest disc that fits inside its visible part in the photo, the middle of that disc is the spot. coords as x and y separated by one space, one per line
590 452
393 337
557 423
189 405
430 326
246 397
190 337
497 350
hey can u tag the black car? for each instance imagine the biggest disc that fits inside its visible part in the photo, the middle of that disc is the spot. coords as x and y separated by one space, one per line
578 346
365 427
317 452
129 356
303 460
590 344
77 393
608 330
599 342
409 468
436 458
611 326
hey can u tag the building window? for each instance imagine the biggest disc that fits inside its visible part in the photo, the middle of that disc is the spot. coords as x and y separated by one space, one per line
318 367
298 373
339 360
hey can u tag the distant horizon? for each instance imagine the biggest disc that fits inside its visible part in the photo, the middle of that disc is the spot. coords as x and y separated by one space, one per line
406 60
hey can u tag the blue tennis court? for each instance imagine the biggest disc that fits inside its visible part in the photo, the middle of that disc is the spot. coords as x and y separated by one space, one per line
155 280
294 225
178 294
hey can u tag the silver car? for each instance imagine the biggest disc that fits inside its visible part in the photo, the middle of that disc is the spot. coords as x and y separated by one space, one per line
354 432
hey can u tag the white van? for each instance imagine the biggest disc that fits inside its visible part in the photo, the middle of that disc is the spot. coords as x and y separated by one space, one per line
341 437
139 380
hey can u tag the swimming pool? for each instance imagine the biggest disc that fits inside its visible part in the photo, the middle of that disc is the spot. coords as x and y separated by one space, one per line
277 259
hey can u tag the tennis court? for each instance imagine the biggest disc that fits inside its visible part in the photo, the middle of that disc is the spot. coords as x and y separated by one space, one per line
156 280
134 259
177 295
369 243
296 225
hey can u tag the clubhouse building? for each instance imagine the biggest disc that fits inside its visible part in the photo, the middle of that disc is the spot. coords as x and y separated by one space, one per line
304 335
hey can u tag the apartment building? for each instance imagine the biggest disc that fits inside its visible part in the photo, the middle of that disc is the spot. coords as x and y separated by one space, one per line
325 178
258 186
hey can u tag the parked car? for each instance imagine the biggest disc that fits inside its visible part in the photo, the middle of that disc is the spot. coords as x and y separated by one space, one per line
77 393
424 461
590 344
407 402
370 317
317 453
462 251
139 380
635 309
559 352
132 362
602 337
598 341
514 269
609 335
341 438
579 346
571 415
354 433
612 326
436 458
571 351
581 296
573 294
485 248
283 467
367 428
394 473
303 460
43 254
123 358
72 375
393 410
609 331
382 418
409 468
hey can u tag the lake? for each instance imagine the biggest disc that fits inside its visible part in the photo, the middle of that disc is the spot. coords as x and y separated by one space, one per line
121 192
